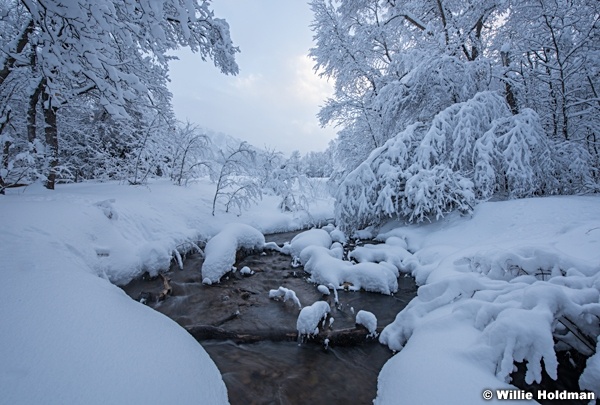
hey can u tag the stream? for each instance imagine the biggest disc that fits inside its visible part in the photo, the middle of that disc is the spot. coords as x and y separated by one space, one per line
252 338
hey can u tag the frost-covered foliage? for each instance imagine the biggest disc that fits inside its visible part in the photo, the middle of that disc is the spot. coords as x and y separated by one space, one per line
64 59
189 158
441 104
237 185
221 249
469 152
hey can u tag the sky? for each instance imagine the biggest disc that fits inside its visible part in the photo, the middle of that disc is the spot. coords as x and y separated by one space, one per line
274 99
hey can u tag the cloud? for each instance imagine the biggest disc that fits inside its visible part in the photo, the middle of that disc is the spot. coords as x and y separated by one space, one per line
274 99
306 84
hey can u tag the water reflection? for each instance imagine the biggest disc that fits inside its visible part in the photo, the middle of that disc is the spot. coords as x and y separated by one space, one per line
288 373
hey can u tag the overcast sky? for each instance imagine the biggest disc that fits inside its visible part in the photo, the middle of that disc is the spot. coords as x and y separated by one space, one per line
274 99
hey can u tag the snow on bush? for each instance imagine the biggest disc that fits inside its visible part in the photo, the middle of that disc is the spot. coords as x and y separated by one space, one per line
309 318
368 320
521 280
470 151
285 294
221 249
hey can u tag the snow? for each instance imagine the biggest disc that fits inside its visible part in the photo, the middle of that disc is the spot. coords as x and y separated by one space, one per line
590 379
312 237
498 287
326 268
286 294
368 320
69 335
323 289
310 316
221 249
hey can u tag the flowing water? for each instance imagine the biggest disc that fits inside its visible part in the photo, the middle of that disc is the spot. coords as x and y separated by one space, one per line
252 339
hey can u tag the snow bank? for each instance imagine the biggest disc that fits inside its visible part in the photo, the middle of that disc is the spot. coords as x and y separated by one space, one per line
221 249
309 318
69 337
499 287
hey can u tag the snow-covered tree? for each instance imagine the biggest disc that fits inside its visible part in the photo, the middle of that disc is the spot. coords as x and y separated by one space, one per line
190 153
113 51
469 151
237 185
441 103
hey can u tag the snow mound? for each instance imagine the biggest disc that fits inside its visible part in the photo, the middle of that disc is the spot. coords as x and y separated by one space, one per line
221 249
312 237
337 235
309 318
286 294
327 269
368 320
392 252
323 289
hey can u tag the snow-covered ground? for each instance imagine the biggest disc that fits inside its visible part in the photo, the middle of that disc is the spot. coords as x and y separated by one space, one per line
68 335
497 286
494 288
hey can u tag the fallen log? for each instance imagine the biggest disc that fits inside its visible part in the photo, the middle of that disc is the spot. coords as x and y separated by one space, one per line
340 337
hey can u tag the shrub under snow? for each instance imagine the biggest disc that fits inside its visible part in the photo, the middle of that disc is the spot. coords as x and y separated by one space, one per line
468 152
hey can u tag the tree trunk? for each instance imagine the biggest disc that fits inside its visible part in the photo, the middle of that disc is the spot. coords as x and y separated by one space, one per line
21 42
32 113
510 95
51 132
